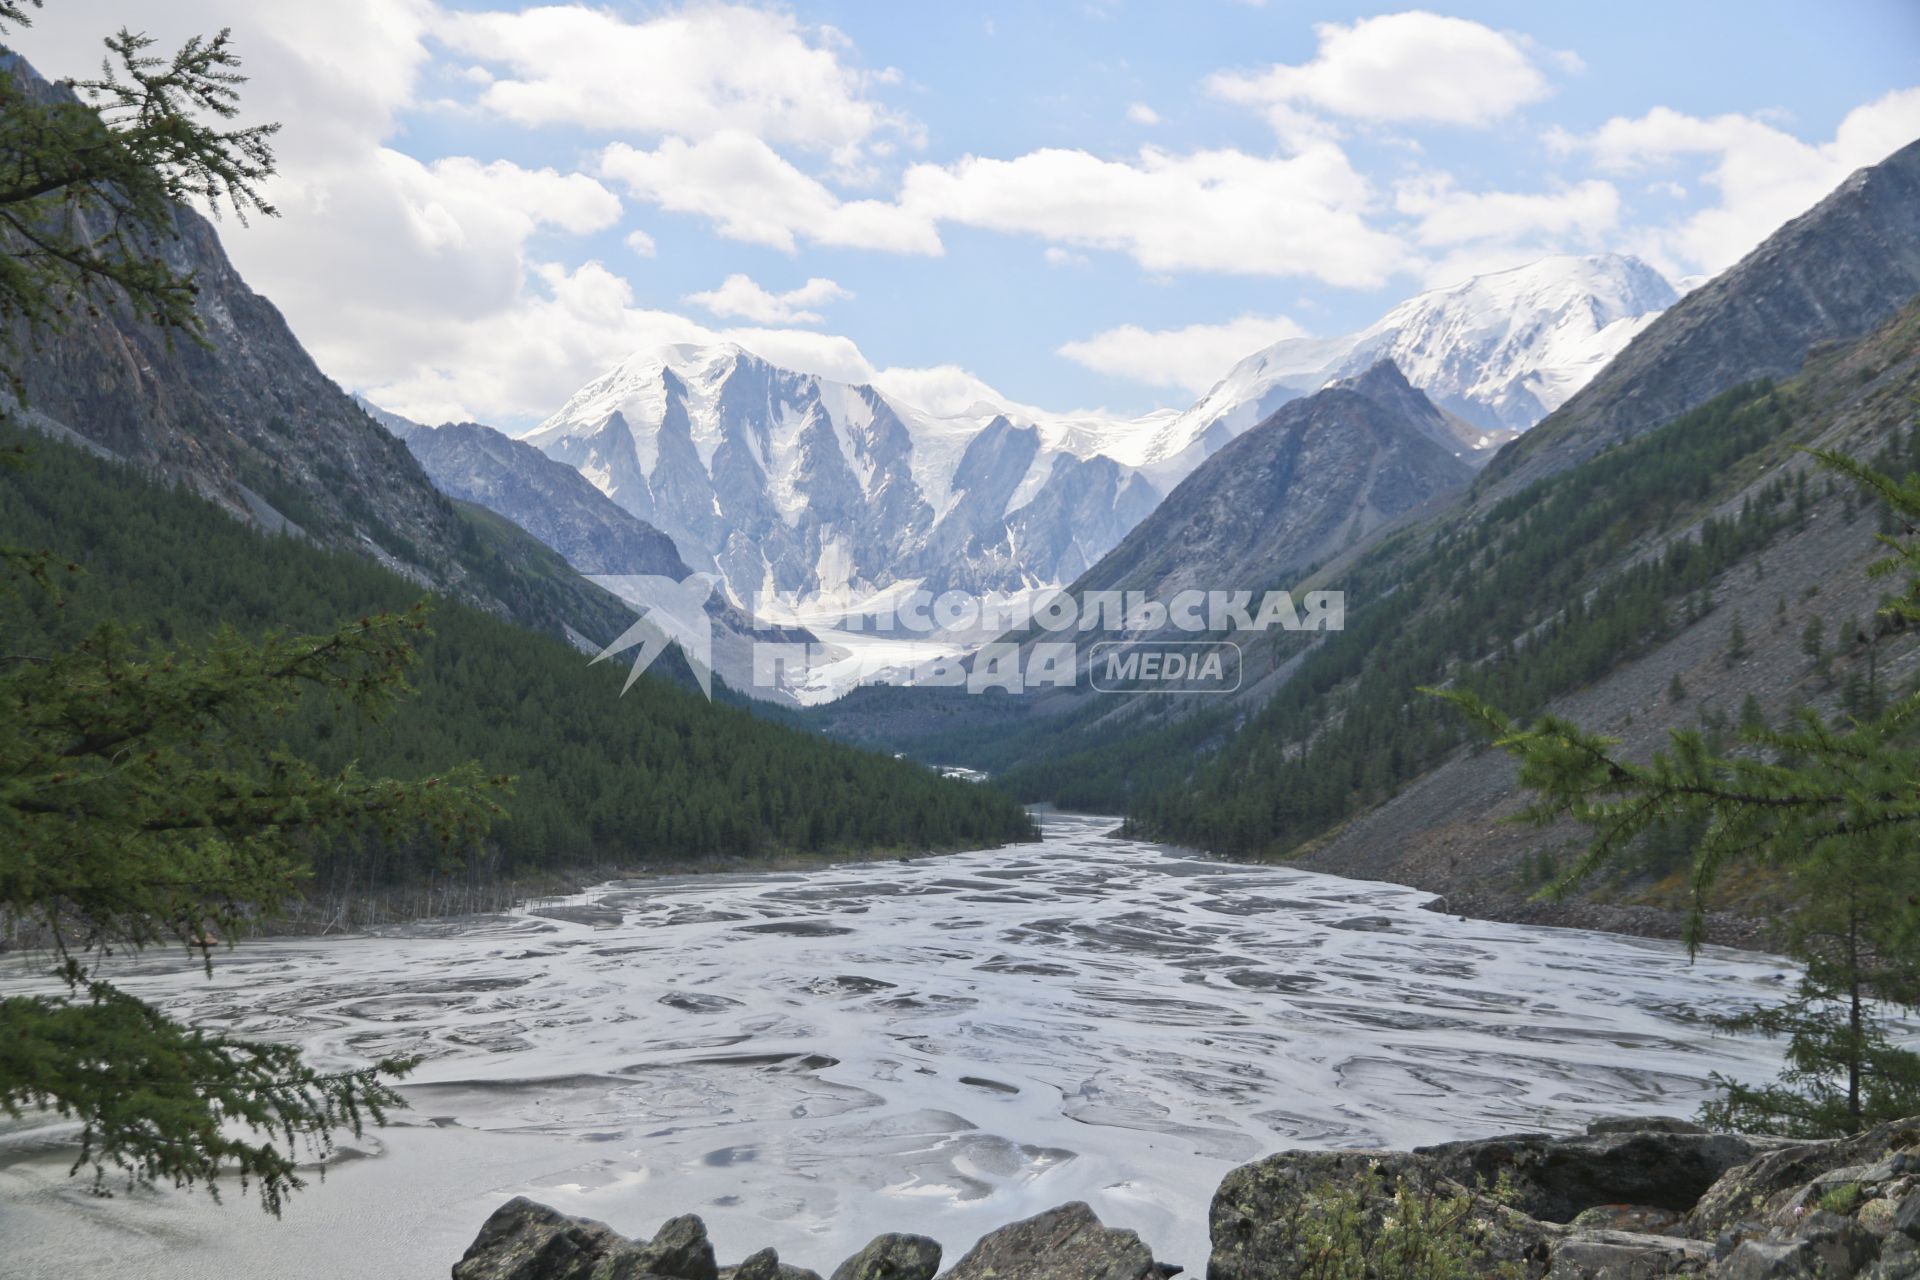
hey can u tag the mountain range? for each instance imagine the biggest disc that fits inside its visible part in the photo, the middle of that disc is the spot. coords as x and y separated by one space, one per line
825 495
1650 556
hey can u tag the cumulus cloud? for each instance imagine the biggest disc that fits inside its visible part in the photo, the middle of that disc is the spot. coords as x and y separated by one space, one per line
569 326
754 194
1213 211
642 243
944 390
1141 113
1192 359
1400 67
1761 174
693 73
1449 216
740 295
1217 211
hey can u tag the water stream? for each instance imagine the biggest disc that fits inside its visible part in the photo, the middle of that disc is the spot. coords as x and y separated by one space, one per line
943 1045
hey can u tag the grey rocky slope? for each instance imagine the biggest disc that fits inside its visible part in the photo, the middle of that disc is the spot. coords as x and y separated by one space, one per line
548 499
796 485
245 418
1836 272
1630 1199
596 536
1313 479
1448 831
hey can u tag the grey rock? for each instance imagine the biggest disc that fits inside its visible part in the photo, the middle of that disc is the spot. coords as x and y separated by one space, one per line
1557 1177
1644 1124
1620 1255
1782 1178
1261 1210
893 1257
1906 1218
1067 1243
523 1240
1827 1246
764 1265
680 1249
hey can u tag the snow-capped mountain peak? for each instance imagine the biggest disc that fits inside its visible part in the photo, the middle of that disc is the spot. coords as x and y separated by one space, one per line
827 492
1499 351
797 486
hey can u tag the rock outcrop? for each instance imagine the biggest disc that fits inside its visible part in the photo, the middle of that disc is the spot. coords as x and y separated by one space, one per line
528 1241
1627 1200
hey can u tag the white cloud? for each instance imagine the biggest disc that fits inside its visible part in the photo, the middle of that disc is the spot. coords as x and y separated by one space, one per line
1762 175
944 390
1214 211
693 72
739 295
1141 113
757 196
1192 358
1448 216
1057 257
568 326
1400 67
531 197
642 243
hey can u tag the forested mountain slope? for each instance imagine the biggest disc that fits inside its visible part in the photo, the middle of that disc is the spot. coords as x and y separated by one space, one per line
1317 476
245 418
1673 580
657 774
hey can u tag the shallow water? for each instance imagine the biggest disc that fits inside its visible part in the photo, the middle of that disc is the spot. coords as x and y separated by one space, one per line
940 1046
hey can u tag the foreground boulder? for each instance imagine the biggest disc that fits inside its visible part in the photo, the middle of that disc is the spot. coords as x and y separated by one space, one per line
1628 1200
1068 1243
1269 1219
1625 1201
1666 1166
893 1257
528 1241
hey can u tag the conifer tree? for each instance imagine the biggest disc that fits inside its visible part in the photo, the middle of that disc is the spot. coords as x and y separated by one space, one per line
1837 808
144 796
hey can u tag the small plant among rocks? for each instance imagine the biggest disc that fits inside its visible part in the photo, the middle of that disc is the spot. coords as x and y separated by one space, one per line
1420 1233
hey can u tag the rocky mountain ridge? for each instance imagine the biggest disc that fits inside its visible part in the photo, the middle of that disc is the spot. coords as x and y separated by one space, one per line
1321 473
795 487
1835 273
1497 352
243 416
792 484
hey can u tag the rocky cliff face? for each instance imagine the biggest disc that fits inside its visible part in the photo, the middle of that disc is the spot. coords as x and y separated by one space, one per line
1628 1200
1317 476
795 485
1836 272
548 499
245 418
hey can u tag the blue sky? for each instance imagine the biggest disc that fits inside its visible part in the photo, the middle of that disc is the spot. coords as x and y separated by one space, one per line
1080 204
